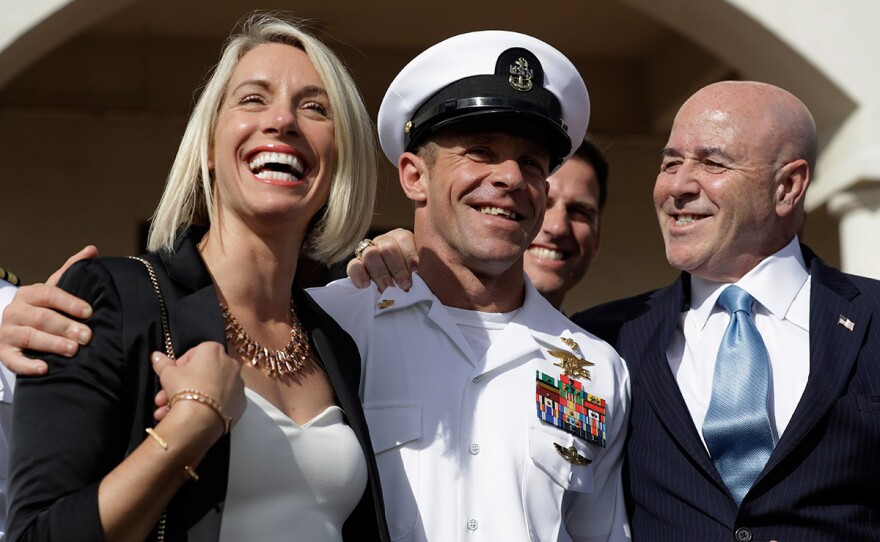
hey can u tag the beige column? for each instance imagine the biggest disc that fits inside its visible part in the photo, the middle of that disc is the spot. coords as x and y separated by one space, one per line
859 212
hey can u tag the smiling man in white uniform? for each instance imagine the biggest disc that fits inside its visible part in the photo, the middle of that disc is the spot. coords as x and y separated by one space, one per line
492 416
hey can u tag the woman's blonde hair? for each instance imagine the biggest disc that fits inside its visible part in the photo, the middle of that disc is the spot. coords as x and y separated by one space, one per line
188 196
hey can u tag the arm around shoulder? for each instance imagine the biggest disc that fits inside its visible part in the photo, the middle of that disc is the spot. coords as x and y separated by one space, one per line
70 425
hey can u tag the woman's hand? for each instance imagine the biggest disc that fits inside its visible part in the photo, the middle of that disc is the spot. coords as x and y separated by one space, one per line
209 370
131 497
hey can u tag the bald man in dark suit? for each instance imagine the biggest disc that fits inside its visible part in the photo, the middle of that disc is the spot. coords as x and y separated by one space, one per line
729 199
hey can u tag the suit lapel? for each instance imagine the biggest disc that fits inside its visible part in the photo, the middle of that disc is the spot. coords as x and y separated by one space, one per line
652 377
193 307
833 349
194 317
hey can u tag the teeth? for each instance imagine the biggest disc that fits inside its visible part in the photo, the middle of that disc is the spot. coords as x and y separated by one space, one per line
269 175
498 211
681 220
546 253
279 158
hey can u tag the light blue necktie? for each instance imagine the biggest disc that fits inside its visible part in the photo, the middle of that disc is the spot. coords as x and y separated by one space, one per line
737 425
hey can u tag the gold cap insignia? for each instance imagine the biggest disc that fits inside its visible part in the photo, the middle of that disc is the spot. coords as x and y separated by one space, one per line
520 75
571 455
407 128
385 303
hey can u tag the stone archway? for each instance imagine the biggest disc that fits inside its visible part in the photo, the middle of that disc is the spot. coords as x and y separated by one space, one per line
31 29
745 40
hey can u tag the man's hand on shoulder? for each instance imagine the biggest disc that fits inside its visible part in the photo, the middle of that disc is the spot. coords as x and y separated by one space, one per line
391 258
40 318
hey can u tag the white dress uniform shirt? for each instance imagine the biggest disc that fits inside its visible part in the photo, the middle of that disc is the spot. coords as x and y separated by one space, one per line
461 452
7 383
781 287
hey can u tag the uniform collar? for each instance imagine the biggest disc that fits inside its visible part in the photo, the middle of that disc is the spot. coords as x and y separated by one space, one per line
531 319
774 283
545 323
394 299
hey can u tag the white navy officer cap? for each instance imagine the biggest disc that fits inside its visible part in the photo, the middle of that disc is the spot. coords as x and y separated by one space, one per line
482 76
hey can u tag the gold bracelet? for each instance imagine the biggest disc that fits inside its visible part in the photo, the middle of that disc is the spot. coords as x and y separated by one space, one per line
155 436
195 395
191 472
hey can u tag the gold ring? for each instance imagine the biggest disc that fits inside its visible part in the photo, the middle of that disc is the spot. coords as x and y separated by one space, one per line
362 246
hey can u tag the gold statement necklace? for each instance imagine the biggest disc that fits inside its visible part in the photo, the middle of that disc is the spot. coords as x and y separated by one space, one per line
277 364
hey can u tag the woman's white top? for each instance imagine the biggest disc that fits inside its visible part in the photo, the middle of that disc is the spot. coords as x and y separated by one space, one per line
289 481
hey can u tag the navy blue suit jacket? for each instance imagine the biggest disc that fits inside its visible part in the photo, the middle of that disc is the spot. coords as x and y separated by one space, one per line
822 481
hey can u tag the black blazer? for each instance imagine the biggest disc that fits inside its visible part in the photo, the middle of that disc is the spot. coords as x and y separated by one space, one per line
821 482
75 424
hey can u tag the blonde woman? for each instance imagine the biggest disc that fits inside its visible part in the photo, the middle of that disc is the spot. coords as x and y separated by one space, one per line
277 158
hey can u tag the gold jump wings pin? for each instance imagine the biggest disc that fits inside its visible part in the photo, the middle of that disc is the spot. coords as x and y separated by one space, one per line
572 366
571 455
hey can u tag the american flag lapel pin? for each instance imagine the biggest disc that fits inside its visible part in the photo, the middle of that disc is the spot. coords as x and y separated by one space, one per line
846 322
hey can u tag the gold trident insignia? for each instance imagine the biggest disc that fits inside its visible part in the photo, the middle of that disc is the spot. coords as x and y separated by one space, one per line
571 455
570 343
571 365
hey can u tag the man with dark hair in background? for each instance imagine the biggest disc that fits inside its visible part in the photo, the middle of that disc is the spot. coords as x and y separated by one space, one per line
561 254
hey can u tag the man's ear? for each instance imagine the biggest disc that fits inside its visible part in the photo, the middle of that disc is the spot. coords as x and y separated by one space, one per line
413 173
792 181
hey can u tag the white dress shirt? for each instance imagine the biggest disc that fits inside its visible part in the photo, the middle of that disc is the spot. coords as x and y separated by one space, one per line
781 287
7 384
462 454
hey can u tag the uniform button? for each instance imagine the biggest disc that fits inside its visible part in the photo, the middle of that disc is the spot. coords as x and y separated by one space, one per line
473 524
475 448
743 535
476 379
